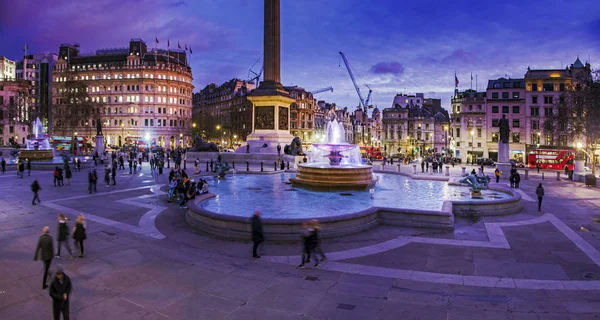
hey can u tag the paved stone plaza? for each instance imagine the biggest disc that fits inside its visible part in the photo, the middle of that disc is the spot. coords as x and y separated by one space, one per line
144 262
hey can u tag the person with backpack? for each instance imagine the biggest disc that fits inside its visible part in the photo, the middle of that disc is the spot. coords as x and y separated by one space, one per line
497 173
540 193
60 177
35 188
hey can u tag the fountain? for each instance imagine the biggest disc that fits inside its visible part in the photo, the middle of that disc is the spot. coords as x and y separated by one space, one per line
38 147
335 164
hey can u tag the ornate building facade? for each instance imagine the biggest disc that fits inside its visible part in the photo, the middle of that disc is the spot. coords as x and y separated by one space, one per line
303 115
140 95
410 128
15 110
222 113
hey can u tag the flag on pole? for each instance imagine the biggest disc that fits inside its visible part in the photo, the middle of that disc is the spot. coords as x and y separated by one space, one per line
455 81
178 45
186 47
25 47
191 50
157 40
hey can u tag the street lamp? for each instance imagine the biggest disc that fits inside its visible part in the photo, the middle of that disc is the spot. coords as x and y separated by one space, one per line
473 146
446 139
180 139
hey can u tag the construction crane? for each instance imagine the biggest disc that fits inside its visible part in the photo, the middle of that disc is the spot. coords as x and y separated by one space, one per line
364 103
322 90
255 76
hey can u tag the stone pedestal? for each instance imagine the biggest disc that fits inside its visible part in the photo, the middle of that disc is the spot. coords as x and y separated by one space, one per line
464 170
579 172
99 145
270 120
447 170
398 168
503 163
414 169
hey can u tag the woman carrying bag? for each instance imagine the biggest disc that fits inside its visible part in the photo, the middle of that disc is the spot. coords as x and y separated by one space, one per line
79 233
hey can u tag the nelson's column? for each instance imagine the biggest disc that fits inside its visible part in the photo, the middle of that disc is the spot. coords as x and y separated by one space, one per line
270 102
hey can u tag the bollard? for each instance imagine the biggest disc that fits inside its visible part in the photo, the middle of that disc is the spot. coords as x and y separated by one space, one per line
381 167
261 166
247 166
414 169
275 166
447 170
233 165
526 174
206 166
464 170
542 176
288 165
558 175
398 168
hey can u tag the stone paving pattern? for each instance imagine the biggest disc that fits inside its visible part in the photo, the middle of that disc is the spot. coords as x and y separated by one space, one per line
187 275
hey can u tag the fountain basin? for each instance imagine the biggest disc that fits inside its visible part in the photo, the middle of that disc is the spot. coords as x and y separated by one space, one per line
39 154
320 175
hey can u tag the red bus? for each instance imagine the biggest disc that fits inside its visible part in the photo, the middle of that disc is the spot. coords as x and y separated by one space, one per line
368 152
554 159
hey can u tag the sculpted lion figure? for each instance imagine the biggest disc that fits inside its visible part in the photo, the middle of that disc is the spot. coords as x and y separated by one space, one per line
294 148
201 146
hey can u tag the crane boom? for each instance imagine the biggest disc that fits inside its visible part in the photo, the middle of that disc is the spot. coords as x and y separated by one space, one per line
362 100
322 90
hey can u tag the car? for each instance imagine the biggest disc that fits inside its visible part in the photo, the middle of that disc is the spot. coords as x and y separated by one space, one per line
485 162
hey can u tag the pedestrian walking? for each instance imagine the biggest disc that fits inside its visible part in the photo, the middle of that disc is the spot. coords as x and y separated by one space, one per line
69 175
21 169
517 179
540 193
60 291
422 166
60 178
3 165
63 235
497 173
94 180
45 250
114 173
318 239
35 188
107 175
28 167
257 233
55 175
80 233
78 165
308 238
537 165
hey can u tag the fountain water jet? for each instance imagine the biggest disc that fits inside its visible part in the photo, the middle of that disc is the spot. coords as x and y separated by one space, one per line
335 164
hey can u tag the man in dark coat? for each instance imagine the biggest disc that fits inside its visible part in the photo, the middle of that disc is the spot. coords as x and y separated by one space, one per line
35 188
257 233
46 246
60 291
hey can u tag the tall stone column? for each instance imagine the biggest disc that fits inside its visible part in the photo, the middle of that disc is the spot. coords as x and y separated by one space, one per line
272 76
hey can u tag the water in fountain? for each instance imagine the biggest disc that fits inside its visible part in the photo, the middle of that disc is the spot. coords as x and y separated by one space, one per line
335 151
39 139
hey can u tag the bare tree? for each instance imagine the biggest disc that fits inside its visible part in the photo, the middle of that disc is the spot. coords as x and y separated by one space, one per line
75 108
15 110
582 115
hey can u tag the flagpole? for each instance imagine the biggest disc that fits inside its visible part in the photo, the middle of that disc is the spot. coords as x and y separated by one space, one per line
471 80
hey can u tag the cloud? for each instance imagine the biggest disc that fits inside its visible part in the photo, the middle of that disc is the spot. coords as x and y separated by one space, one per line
460 56
394 68
178 4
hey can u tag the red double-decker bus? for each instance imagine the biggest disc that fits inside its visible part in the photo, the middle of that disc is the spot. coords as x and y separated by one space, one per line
554 159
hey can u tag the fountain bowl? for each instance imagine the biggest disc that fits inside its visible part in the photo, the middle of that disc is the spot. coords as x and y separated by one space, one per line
328 177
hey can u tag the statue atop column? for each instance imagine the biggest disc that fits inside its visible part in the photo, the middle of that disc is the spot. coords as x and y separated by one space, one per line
98 127
504 129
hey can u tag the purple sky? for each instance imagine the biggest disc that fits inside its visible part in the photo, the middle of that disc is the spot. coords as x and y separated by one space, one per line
395 46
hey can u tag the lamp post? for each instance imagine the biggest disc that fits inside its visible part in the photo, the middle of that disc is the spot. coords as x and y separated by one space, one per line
180 140
75 143
473 146
446 139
